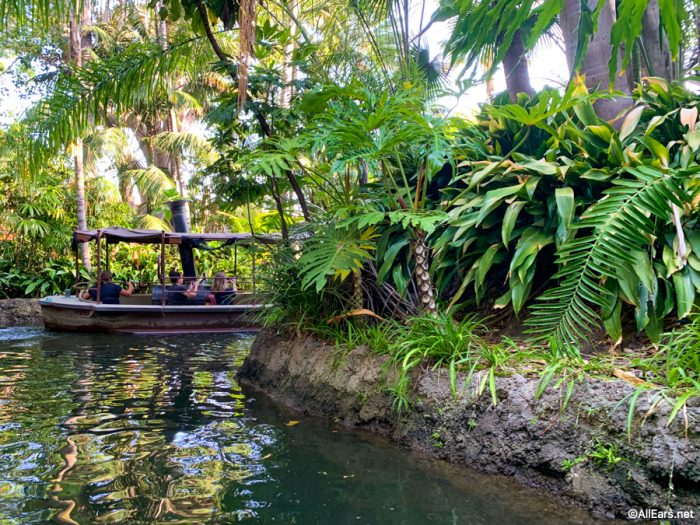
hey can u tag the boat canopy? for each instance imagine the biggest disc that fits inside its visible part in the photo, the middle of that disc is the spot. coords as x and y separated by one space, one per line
115 235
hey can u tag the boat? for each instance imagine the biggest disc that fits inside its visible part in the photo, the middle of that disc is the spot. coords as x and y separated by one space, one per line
149 313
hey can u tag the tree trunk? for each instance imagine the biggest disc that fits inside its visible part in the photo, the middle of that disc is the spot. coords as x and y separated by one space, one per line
516 70
426 293
80 199
79 50
357 296
655 44
594 67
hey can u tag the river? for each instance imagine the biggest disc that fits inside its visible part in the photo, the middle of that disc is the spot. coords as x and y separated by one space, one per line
121 429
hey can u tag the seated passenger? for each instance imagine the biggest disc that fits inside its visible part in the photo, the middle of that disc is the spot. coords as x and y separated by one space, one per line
109 292
222 292
177 293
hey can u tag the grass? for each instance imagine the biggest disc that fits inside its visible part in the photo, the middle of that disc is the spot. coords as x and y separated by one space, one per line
670 375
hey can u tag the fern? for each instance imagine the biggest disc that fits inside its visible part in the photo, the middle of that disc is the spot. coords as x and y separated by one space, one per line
334 253
617 224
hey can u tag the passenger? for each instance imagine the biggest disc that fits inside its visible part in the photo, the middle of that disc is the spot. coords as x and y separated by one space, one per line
222 291
177 292
109 292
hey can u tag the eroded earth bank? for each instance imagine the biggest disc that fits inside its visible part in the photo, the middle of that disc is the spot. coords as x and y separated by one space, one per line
583 453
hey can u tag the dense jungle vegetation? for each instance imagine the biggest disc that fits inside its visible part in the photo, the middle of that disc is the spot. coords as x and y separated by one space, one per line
567 217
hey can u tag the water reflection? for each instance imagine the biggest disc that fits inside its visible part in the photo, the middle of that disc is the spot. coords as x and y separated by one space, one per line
100 429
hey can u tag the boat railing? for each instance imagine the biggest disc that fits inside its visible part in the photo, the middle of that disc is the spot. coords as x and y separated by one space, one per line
244 287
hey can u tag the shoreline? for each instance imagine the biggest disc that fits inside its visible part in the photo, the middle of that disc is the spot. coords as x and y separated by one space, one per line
582 453
20 312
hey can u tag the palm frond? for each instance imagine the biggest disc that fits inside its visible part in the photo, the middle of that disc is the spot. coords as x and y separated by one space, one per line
615 226
87 96
151 222
181 141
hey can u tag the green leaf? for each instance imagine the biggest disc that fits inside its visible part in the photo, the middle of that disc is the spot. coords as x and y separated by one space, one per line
670 14
540 166
485 262
565 209
509 219
613 323
494 197
685 292
389 257
630 122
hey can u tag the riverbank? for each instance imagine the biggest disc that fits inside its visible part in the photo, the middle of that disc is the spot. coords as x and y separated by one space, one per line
20 312
583 453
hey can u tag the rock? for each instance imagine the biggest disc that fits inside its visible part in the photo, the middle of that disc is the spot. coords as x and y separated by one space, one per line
530 439
20 312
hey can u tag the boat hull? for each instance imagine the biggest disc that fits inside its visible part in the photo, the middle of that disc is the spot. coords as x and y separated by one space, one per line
70 314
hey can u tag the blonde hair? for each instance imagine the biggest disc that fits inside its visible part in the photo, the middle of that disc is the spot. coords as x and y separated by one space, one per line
219 284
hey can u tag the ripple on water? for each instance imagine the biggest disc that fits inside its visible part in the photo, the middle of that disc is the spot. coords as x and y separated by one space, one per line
19 333
104 429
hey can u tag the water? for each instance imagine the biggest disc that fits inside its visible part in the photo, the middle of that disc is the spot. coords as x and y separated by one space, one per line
118 429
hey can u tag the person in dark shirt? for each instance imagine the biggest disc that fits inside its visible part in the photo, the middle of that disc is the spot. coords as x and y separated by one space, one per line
221 291
109 292
177 293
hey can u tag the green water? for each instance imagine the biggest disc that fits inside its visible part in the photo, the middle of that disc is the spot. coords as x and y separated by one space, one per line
107 429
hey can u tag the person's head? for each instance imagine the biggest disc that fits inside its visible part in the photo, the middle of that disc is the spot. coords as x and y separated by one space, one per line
219 284
105 276
175 277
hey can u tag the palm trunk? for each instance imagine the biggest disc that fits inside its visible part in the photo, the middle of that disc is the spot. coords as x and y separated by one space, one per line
80 199
426 293
516 69
79 50
357 296
595 63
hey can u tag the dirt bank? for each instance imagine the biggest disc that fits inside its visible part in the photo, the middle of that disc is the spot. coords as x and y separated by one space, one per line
532 440
19 312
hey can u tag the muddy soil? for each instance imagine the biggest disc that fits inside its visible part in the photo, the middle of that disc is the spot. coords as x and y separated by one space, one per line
582 452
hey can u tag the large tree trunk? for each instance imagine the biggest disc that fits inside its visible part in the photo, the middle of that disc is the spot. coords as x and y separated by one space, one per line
655 44
595 63
516 70
79 51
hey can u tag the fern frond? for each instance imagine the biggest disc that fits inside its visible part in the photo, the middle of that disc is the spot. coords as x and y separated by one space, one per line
615 226
334 253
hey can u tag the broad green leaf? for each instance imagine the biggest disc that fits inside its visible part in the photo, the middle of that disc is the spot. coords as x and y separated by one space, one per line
693 139
613 323
389 257
630 122
485 262
540 166
596 174
657 149
671 25
509 219
643 269
565 209
685 292
494 198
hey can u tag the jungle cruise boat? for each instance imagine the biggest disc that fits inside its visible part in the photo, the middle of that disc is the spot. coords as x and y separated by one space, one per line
150 313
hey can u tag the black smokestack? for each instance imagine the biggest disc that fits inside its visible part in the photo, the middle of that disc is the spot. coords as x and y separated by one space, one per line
180 221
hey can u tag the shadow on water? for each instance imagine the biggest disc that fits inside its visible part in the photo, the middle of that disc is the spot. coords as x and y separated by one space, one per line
107 429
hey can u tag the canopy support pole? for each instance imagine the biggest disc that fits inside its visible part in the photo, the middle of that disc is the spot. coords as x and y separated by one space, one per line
254 298
99 266
161 270
77 267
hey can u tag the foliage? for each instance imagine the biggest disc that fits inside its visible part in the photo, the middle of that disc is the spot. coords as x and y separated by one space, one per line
549 177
